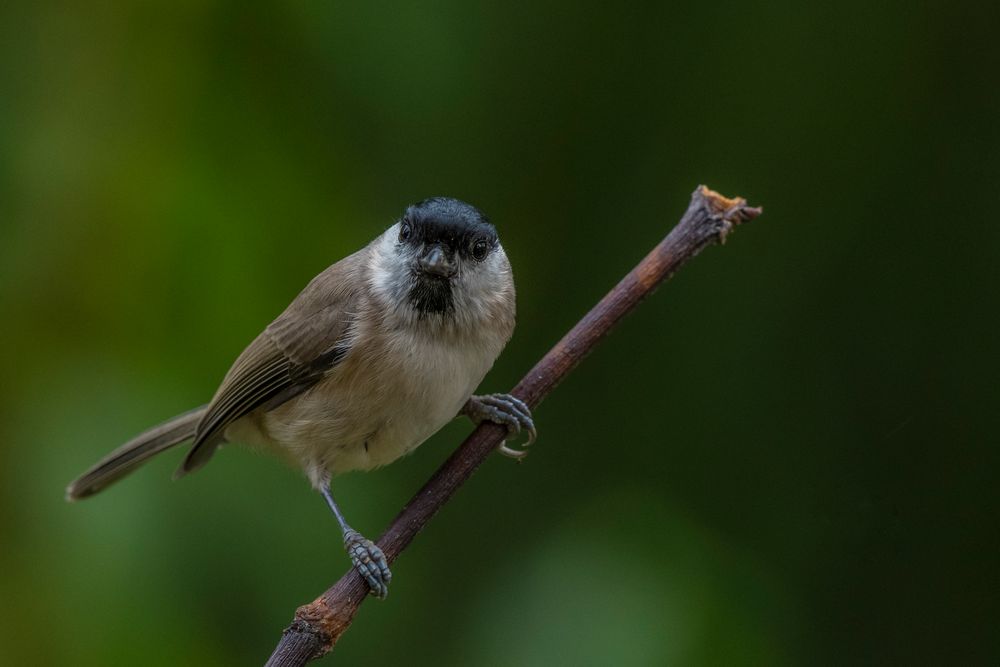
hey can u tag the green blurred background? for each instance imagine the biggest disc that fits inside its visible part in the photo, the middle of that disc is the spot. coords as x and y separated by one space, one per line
787 456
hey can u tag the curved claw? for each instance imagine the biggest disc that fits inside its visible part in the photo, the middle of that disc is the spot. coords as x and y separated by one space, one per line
369 561
508 411
524 417
516 454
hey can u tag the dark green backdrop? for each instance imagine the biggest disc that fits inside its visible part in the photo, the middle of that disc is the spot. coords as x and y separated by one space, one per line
787 456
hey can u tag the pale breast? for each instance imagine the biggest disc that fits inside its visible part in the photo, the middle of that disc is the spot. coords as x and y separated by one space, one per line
388 395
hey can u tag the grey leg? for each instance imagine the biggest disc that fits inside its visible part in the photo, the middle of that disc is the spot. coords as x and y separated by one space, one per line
505 410
368 559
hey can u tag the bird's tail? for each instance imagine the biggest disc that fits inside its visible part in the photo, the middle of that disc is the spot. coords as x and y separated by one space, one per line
134 453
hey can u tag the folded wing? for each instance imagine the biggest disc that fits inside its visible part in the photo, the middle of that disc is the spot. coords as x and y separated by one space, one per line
291 355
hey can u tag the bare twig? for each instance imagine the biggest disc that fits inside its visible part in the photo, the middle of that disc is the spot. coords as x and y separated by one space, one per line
709 218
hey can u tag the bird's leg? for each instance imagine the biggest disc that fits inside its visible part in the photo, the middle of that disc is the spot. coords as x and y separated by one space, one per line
368 559
507 411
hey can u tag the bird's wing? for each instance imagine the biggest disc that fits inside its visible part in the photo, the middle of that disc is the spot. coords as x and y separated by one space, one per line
293 353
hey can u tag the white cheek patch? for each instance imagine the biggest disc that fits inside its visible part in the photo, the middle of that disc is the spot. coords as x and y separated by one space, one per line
481 286
385 264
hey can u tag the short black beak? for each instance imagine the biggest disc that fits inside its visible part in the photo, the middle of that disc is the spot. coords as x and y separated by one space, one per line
435 262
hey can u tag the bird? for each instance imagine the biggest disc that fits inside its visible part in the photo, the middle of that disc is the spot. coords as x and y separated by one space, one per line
376 354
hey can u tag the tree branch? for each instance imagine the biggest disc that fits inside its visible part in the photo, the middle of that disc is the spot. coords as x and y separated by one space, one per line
709 218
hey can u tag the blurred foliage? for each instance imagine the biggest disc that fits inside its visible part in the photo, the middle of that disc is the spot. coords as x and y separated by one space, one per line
787 456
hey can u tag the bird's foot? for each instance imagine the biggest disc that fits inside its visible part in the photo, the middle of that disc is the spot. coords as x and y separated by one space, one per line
508 411
369 561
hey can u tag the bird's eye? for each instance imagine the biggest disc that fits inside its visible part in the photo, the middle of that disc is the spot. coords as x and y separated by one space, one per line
405 231
480 249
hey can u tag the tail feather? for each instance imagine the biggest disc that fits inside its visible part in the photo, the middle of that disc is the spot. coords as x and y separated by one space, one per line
134 453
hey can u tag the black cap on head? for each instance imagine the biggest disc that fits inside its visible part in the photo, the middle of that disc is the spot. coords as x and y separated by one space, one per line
449 221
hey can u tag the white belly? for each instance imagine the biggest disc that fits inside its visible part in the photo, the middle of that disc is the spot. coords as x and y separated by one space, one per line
384 399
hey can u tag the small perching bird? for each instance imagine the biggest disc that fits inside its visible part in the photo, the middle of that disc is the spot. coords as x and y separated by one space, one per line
374 356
